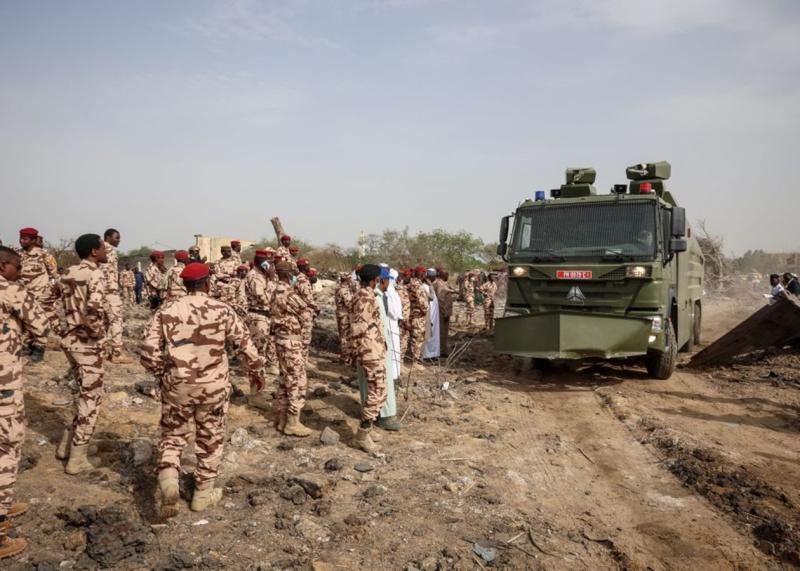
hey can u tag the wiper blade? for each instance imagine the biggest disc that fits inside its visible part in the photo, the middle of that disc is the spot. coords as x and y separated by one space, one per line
617 257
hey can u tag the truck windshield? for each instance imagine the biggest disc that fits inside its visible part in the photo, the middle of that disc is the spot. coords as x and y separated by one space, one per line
614 231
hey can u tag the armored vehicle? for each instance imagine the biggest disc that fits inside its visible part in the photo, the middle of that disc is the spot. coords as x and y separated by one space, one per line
602 276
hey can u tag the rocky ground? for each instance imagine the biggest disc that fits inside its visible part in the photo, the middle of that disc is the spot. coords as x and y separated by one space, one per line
595 468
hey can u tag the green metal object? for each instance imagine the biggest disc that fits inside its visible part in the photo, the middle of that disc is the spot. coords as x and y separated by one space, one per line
601 276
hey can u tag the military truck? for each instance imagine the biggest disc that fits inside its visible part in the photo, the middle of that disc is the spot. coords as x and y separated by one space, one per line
602 276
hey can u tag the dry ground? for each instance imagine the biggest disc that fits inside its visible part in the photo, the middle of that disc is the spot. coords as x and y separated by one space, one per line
599 468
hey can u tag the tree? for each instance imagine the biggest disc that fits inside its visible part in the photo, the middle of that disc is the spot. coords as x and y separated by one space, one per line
140 252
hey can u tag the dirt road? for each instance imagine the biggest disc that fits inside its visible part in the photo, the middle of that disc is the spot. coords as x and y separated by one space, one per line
595 469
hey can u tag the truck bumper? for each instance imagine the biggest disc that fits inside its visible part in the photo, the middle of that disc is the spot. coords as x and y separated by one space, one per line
566 335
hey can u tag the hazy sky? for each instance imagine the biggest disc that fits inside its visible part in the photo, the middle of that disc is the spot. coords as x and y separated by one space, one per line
167 119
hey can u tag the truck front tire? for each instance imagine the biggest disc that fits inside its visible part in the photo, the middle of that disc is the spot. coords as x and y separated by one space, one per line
661 364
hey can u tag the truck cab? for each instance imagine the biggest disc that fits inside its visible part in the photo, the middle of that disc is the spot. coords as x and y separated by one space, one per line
608 276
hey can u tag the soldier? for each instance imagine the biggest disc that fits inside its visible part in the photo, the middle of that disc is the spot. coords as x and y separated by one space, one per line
194 255
228 264
343 298
236 251
313 276
84 288
258 289
154 279
184 347
174 287
445 295
240 297
289 313
489 289
22 317
303 286
369 352
294 252
127 282
419 305
111 271
225 273
469 296
283 248
405 322
39 273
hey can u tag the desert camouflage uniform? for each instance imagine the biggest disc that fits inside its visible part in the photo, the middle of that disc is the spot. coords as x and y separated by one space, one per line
113 299
240 298
236 257
303 287
226 267
289 312
153 281
258 292
83 290
184 347
21 316
369 349
174 288
418 300
469 298
402 292
39 276
283 252
127 282
343 298
489 289
445 296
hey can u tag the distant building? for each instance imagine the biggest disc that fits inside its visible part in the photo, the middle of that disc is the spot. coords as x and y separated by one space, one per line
210 245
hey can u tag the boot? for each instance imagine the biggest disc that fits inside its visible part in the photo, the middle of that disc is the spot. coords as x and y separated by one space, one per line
168 484
207 498
62 452
121 358
11 546
280 420
294 427
391 423
17 509
364 441
78 462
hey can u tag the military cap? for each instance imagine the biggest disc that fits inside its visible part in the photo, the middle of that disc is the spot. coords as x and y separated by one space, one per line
181 255
262 254
156 254
420 269
312 272
235 243
195 271
303 262
285 237
32 232
243 268
294 248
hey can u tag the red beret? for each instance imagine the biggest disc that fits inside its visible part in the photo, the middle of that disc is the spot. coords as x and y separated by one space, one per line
302 262
235 243
285 237
243 268
156 254
194 271
262 254
420 269
32 232
408 272
312 272
182 255
294 248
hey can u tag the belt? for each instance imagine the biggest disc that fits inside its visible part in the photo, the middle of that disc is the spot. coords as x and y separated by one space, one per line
264 312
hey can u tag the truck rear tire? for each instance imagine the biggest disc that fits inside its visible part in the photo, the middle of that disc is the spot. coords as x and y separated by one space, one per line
661 364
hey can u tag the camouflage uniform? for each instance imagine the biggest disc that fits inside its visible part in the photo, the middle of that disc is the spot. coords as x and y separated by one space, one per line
445 296
127 281
84 290
418 299
259 291
184 347
237 258
343 298
489 289
22 316
39 276
369 349
153 281
303 287
402 292
469 298
113 299
289 311
283 252
227 267
174 288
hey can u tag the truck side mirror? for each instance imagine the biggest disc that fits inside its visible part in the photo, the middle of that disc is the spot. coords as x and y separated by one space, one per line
504 229
677 245
502 248
678 222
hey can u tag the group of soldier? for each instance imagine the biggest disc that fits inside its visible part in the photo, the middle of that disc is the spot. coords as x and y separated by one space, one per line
204 315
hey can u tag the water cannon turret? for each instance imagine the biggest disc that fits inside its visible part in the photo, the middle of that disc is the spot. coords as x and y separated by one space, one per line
580 182
647 178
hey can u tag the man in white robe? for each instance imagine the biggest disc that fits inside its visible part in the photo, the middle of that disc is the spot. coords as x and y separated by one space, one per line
431 349
394 313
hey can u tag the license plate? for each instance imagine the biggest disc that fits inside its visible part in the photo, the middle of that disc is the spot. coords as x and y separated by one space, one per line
574 274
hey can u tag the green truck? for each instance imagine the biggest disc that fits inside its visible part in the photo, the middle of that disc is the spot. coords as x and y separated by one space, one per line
602 276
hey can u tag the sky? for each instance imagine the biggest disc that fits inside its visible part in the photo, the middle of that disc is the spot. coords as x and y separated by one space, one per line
174 118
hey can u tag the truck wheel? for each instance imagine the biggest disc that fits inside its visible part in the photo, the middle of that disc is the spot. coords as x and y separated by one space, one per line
661 364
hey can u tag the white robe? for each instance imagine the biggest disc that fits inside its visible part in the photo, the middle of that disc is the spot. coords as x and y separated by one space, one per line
432 349
394 312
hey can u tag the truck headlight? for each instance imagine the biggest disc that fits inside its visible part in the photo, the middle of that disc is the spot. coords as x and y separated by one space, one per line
656 323
519 271
636 272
